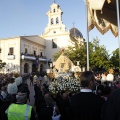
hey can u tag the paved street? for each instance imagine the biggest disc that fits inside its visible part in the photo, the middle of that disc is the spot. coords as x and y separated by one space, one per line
32 93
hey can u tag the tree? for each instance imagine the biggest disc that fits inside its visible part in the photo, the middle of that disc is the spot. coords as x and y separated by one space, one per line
75 53
115 58
98 55
2 64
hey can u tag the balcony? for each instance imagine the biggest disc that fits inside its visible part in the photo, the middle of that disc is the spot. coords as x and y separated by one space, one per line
33 57
11 57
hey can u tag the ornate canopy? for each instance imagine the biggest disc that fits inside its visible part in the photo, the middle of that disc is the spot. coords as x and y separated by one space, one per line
103 15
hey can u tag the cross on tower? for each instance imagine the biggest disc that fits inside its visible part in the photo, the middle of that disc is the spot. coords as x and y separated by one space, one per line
73 24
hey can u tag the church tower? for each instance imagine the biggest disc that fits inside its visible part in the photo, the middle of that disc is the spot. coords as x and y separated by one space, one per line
55 34
54 20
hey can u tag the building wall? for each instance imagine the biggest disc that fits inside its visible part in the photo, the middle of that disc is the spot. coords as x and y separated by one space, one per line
32 44
56 31
63 41
15 63
12 63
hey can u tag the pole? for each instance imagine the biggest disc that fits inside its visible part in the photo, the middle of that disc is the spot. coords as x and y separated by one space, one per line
87 36
118 23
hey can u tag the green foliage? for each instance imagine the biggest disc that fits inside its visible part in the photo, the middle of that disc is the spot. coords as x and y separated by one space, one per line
98 55
115 58
56 55
2 64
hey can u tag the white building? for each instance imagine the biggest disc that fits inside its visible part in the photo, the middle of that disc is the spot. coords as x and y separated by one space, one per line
20 54
55 32
30 53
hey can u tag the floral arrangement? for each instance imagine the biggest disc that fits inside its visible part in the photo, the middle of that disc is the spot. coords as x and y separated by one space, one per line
66 83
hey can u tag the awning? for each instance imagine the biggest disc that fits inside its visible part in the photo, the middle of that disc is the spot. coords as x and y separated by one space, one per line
103 18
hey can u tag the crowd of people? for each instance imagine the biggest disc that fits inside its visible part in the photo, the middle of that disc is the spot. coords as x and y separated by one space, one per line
97 99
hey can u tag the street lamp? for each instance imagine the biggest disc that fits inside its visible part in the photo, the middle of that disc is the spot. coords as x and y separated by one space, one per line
21 63
78 63
50 63
51 67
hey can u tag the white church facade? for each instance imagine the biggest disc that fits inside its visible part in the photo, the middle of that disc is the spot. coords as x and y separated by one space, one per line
55 34
26 54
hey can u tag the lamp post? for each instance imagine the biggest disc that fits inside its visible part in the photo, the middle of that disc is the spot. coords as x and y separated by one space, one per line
22 63
87 36
51 67
49 63
37 64
118 23
78 63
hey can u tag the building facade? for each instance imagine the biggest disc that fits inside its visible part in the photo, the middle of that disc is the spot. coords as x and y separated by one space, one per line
55 33
26 54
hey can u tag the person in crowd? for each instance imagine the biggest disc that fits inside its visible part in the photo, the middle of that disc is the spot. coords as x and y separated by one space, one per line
18 80
63 105
12 88
86 105
45 111
20 110
24 89
98 76
40 78
4 103
35 78
111 108
31 80
110 76
4 92
104 75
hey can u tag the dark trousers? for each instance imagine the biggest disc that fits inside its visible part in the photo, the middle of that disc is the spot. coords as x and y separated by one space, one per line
31 82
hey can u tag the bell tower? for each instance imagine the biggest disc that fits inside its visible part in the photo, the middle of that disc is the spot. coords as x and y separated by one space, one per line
55 19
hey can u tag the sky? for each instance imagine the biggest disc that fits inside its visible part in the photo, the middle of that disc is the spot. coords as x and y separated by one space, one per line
28 17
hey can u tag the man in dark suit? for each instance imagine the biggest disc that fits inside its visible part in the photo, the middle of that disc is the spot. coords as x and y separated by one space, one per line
86 105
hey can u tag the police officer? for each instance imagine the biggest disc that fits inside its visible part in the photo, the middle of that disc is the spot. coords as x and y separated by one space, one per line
20 110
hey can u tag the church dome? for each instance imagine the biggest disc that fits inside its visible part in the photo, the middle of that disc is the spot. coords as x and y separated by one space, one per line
74 32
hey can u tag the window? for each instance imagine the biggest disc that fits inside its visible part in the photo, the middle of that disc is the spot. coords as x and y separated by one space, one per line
11 50
58 7
41 54
54 31
54 43
26 50
34 52
52 21
57 21
54 10
26 68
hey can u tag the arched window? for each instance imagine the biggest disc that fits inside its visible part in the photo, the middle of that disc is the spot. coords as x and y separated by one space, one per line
57 20
26 68
54 10
52 22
